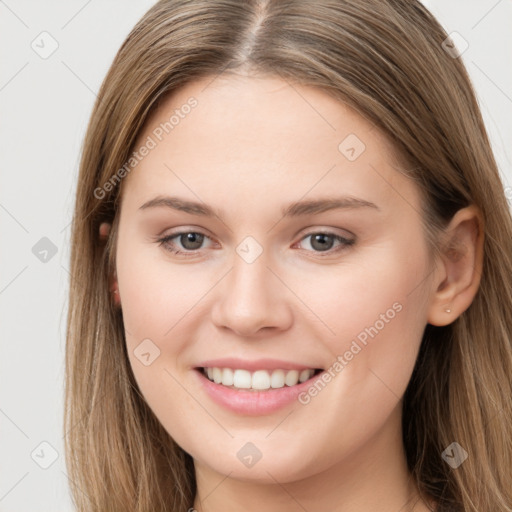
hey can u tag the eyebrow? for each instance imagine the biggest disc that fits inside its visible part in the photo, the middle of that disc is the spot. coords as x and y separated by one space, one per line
295 209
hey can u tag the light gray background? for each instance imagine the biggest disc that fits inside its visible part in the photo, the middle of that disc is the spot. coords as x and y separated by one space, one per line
44 109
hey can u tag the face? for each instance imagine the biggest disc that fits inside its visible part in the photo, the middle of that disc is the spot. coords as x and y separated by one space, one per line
304 260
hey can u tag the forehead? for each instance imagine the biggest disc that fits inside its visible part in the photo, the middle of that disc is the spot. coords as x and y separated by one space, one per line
260 137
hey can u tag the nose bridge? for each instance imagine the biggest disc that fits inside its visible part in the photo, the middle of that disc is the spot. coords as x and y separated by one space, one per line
251 297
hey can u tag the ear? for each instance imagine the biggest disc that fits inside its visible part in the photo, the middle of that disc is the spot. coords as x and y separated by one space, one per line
460 268
104 232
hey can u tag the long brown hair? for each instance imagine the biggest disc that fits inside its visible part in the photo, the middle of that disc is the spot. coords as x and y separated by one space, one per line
385 59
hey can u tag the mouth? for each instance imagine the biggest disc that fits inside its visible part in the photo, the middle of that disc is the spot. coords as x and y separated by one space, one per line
259 380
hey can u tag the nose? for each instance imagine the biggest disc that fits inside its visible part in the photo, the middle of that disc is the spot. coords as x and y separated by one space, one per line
252 299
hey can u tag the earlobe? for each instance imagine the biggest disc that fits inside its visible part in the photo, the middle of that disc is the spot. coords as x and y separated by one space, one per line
461 267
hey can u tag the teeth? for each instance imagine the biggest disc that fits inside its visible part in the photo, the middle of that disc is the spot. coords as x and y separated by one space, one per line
292 377
258 380
277 379
304 375
242 379
217 375
227 377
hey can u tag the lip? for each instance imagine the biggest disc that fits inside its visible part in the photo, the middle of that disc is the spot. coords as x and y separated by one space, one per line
253 403
253 365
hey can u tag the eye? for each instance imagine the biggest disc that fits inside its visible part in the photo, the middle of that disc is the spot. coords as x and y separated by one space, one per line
190 241
324 241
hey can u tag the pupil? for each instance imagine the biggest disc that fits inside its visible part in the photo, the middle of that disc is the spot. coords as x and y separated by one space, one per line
194 238
320 237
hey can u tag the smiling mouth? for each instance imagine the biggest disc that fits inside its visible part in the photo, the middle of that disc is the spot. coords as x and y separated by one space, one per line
259 380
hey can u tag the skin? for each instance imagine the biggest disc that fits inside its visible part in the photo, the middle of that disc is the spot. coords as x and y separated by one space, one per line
251 146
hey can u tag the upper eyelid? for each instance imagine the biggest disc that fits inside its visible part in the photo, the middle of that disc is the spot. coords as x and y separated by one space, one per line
327 231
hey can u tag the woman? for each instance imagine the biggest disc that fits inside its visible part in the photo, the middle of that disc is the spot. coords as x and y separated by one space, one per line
291 261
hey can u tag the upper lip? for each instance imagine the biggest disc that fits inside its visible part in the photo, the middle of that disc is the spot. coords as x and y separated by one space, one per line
253 365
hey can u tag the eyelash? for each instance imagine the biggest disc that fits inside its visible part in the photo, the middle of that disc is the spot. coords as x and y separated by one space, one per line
344 241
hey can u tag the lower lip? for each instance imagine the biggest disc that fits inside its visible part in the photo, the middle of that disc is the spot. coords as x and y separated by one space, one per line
253 403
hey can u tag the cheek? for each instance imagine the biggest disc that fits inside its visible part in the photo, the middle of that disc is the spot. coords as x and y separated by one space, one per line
161 303
155 293
158 301
374 311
